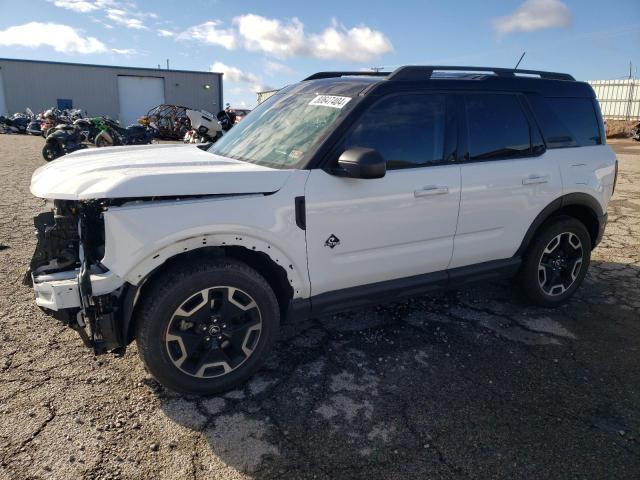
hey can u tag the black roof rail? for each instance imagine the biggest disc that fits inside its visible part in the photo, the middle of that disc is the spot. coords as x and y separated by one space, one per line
418 72
320 75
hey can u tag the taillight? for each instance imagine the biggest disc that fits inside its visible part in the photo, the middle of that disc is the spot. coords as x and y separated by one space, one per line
615 178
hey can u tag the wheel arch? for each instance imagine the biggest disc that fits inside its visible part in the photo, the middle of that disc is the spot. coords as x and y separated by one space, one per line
277 275
581 206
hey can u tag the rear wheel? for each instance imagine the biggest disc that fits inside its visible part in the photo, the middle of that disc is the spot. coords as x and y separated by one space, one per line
557 261
207 327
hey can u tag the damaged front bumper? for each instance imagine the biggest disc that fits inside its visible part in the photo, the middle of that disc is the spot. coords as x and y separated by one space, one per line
61 290
69 281
97 317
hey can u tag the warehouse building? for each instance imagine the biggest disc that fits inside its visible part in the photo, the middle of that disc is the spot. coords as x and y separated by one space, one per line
122 93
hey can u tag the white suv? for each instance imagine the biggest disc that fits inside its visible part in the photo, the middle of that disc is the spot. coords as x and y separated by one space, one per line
343 190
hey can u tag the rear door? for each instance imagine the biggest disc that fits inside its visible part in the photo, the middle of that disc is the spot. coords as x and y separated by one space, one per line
507 178
364 231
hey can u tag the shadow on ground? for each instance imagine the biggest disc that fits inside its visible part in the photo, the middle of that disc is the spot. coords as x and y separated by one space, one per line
465 384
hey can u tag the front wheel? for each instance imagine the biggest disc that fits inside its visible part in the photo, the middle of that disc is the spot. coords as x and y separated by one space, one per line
556 262
101 141
207 326
51 151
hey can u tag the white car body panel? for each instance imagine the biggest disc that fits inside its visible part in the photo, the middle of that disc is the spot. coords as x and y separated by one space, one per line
150 171
589 170
139 237
501 199
386 229
498 204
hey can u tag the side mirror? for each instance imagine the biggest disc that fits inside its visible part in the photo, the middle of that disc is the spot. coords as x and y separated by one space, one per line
361 163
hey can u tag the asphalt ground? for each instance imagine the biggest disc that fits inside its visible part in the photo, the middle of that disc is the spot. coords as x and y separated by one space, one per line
462 384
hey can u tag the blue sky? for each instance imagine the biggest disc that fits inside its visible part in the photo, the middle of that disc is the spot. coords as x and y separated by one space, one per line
260 44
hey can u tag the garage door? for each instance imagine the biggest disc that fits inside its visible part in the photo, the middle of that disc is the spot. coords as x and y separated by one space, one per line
138 95
3 105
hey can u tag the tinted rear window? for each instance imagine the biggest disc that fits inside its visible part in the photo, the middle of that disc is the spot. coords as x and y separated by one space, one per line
567 122
497 127
579 117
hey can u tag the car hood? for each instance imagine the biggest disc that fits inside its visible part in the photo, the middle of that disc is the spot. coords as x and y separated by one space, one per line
150 171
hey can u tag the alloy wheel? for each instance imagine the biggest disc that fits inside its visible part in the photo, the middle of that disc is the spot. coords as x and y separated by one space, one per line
560 264
213 332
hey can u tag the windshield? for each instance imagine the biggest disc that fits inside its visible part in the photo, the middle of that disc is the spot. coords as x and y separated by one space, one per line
280 132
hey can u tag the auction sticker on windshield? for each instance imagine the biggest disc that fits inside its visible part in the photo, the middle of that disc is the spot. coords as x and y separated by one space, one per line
334 101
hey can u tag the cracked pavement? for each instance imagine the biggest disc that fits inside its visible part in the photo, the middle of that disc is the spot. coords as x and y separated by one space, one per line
462 384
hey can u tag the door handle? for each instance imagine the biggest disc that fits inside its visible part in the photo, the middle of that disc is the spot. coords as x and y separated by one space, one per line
533 179
430 190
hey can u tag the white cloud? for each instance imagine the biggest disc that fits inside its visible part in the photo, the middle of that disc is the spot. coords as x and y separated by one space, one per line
122 17
75 5
210 33
284 39
272 36
235 75
62 38
125 51
357 44
165 33
124 13
534 15
272 67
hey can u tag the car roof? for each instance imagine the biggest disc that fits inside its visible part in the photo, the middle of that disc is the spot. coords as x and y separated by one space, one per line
443 78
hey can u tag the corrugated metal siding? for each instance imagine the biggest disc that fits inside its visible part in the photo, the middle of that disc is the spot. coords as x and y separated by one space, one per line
619 99
38 85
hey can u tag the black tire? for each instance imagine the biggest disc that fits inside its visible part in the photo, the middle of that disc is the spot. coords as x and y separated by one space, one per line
158 322
568 270
100 142
51 151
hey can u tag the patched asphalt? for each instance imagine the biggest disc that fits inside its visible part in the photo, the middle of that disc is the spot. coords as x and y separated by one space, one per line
463 384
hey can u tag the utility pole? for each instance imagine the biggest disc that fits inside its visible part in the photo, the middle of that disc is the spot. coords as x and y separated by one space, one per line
167 64
631 92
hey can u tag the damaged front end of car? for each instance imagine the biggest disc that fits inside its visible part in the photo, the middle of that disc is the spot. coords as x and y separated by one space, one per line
68 279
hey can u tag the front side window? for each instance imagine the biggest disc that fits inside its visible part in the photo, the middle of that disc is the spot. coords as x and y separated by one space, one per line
497 127
407 130
283 131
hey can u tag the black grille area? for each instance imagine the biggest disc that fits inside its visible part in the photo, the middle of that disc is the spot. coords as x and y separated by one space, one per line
58 243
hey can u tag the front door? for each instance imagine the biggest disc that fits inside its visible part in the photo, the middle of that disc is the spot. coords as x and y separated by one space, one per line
363 231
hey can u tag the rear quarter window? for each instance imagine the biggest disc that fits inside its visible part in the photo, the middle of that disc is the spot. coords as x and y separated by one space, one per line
567 122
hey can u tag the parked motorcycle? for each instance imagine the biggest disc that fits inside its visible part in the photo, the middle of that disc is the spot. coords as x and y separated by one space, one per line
50 119
17 123
227 118
34 126
90 128
204 127
117 135
61 140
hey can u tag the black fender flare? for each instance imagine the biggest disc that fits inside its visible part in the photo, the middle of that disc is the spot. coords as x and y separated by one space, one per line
578 198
